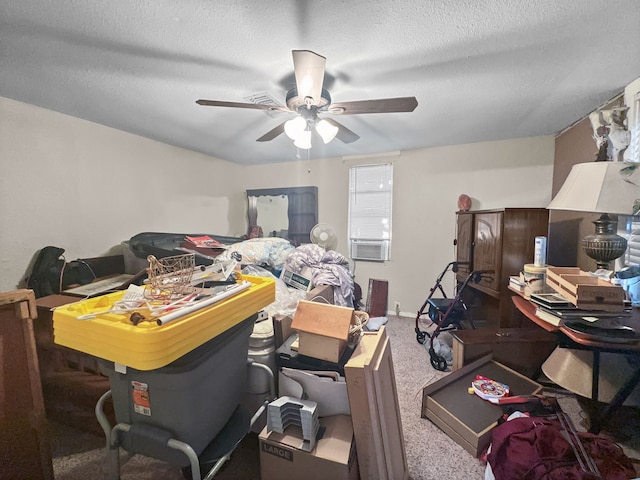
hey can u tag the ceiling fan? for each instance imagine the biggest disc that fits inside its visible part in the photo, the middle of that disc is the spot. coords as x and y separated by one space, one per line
310 101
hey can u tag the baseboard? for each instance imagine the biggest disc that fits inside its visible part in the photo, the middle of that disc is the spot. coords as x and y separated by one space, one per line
391 313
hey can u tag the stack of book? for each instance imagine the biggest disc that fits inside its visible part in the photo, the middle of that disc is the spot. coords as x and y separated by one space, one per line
202 245
516 283
554 308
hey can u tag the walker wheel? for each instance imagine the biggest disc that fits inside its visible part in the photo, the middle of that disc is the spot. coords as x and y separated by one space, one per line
438 362
420 337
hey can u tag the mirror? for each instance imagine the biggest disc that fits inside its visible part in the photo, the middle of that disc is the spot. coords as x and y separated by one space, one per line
289 212
273 215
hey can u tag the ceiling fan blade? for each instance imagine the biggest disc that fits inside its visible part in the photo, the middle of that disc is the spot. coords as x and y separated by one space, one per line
382 105
273 133
309 70
344 134
255 106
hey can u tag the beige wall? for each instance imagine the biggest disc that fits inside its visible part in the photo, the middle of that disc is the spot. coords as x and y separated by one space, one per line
85 187
427 184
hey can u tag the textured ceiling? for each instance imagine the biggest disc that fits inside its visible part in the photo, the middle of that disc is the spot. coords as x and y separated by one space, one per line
480 69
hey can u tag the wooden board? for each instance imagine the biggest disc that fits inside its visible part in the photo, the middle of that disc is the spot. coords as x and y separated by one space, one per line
377 298
375 411
386 398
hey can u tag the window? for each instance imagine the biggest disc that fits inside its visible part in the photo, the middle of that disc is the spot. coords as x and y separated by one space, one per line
630 226
370 197
633 123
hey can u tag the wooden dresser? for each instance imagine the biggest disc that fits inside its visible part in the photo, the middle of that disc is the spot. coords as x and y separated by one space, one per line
501 241
24 437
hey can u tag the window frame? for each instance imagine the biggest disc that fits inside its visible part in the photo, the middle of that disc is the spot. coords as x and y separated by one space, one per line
361 179
629 226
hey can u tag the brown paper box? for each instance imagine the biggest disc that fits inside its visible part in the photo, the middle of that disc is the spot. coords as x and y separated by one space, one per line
333 458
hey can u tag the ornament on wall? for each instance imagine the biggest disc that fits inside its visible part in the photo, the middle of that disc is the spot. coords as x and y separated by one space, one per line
610 133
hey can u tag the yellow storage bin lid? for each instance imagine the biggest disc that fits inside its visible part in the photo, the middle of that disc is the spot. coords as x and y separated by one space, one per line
148 346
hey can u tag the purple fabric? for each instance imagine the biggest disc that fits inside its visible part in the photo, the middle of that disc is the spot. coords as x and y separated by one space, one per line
328 268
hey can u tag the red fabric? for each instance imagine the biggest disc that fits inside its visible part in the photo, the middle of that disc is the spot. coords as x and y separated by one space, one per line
534 448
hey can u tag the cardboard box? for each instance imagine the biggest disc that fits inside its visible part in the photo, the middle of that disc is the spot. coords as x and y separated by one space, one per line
334 456
373 399
585 291
323 330
282 323
467 418
321 293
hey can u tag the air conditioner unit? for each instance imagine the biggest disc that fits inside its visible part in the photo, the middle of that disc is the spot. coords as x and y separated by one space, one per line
371 250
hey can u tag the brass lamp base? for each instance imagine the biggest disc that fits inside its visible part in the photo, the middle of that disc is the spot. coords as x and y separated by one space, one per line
605 245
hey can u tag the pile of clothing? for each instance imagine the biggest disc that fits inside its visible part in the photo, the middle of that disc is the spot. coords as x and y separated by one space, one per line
326 267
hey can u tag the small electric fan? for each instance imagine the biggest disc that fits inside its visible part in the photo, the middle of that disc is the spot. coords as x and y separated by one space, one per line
324 235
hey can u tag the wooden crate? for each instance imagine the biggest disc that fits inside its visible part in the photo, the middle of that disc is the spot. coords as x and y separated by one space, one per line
585 291
323 329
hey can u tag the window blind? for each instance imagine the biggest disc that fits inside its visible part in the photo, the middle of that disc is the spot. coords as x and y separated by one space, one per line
630 226
634 128
370 202
632 255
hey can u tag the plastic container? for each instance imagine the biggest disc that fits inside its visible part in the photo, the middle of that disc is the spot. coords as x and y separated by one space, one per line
534 278
190 399
540 252
629 279
262 348
148 346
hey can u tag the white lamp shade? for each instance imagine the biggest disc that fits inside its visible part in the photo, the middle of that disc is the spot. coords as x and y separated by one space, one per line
294 127
304 140
600 187
573 370
326 131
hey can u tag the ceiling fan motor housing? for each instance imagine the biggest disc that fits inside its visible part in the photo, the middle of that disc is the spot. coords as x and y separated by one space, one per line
297 104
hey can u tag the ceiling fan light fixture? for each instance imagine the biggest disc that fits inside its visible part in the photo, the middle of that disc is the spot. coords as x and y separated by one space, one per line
307 99
294 127
326 130
304 140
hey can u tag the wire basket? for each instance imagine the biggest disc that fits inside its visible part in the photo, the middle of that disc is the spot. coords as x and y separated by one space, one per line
170 277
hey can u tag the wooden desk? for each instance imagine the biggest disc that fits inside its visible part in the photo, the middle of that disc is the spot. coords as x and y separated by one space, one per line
568 339
528 309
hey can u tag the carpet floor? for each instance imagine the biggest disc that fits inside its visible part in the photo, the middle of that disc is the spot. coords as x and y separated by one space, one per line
431 454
